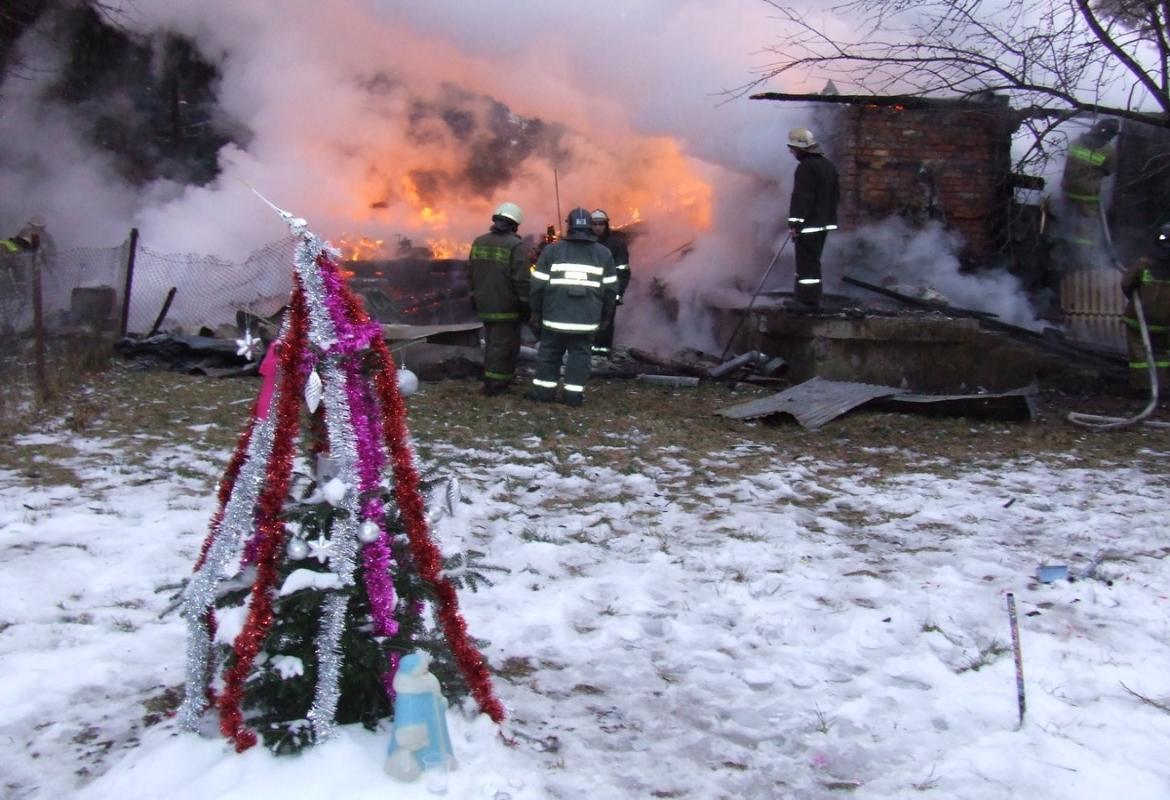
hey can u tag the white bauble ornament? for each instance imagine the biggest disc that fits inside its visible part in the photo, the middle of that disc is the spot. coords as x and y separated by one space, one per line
369 531
314 391
407 382
297 549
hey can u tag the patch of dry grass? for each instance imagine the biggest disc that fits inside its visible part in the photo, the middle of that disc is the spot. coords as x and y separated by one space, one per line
624 425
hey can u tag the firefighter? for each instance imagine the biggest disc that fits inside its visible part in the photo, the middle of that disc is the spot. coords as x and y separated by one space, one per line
1150 279
599 223
498 270
812 213
1092 157
574 288
20 243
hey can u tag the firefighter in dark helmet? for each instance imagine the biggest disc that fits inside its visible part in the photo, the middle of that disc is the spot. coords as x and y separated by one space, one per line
1149 279
498 271
574 288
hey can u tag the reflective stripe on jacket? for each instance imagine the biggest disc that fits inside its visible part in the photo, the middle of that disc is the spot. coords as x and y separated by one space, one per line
498 272
1089 160
1152 279
815 193
573 284
621 258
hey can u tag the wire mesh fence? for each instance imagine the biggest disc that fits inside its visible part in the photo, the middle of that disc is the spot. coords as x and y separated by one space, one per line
62 309
208 291
93 295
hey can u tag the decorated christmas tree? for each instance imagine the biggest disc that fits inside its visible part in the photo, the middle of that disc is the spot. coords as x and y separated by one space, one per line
313 583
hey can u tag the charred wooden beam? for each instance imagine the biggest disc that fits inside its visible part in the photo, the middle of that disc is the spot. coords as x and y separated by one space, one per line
917 302
892 101
688 368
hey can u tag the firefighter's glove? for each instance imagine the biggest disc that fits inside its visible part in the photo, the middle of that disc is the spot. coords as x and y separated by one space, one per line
618 301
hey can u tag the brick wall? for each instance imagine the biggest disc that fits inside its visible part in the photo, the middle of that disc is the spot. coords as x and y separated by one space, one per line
937 159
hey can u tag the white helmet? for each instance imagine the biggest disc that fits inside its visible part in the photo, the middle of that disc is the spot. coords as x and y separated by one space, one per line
509 211
802 139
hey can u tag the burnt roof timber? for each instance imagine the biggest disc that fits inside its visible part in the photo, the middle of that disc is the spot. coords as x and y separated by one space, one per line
904 100
1156 118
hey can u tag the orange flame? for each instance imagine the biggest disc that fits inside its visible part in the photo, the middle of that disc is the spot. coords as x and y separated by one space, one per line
446 248
361 248
653 179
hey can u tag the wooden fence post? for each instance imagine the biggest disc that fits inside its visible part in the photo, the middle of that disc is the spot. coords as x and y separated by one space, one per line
124 324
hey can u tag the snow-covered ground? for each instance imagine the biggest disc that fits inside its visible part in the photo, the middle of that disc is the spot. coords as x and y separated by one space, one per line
736 625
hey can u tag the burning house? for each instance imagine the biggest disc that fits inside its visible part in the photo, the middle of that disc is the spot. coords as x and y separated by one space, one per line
940 166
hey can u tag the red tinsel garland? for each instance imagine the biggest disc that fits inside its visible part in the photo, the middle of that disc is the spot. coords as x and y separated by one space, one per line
270 528
412 509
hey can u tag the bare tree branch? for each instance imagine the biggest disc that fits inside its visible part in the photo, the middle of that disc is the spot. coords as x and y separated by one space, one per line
1161 705
1057 58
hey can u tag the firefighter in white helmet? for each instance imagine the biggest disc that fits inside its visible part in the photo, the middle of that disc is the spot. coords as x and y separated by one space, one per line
603 341
498 273
812 212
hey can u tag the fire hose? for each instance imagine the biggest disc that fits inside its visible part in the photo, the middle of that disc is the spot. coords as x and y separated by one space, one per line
1104 423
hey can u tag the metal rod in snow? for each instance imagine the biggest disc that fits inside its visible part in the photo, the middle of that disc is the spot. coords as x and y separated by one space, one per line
1011 604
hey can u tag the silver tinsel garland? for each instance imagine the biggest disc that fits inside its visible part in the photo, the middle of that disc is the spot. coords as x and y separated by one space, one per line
224 553
343 542
237 524
321 333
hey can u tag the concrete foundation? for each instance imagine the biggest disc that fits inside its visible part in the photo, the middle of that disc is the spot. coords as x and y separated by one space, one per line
920 352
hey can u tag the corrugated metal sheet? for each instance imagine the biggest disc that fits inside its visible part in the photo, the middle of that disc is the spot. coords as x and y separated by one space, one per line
813 402
1015 404
818 401
454 333
1091 303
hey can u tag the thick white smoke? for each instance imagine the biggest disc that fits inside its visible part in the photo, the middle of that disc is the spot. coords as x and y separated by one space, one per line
332 94
415 118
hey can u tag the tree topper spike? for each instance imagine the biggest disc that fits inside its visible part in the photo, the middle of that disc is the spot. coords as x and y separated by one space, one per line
298 225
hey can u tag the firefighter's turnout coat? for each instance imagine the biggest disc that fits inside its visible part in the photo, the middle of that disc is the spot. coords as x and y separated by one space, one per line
498 270
1150 278
616 244
574 286
812 213
1090 159
815 192
574 289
